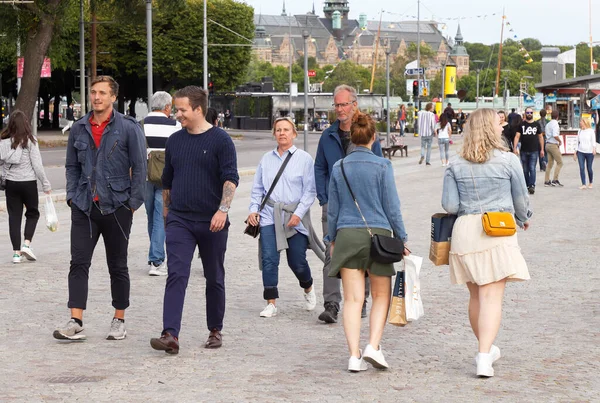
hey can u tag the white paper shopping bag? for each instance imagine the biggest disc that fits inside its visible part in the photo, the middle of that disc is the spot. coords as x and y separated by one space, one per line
414 304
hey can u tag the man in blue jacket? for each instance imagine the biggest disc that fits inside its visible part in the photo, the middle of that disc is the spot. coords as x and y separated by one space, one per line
334 145
106 182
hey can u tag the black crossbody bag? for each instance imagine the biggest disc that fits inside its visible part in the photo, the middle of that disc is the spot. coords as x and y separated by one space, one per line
254 230
384 249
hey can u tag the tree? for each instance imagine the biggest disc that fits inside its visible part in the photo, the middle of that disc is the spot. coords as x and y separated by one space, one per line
39 20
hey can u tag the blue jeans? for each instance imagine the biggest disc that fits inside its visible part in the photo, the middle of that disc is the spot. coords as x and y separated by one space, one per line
426 143
529 161
156 226
296 257
444 145
585 159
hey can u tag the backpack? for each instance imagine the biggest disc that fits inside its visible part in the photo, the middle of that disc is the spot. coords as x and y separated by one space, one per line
156 163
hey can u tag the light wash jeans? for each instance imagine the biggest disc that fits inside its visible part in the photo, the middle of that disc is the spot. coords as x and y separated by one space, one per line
156 225
444 149
426 143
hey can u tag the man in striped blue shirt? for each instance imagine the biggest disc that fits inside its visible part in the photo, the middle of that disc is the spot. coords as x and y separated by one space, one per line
158 126
426 131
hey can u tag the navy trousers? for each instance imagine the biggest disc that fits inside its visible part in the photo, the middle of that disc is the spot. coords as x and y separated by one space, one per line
182 237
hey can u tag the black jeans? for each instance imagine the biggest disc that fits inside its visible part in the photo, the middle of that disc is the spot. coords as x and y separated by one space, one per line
17 195
85 232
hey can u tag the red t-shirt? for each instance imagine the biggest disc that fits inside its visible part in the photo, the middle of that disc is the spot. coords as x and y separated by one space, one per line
97 130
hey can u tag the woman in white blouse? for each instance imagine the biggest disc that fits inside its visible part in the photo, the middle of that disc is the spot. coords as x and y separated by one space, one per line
444 130
285 219
586 150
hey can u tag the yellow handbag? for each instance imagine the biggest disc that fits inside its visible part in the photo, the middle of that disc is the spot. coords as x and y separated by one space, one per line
498 223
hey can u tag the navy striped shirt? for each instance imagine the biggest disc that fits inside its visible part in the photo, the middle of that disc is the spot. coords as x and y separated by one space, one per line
196 167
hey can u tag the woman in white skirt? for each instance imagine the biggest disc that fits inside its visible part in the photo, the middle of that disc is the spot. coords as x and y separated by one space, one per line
486 177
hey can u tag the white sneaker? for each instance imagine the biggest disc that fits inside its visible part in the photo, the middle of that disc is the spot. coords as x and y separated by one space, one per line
28 253
375 357
160 270
356 364
269 311
311 299
17 258
495 352
484 363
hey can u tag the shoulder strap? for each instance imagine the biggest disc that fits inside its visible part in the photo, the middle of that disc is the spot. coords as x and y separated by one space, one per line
266 198
354 198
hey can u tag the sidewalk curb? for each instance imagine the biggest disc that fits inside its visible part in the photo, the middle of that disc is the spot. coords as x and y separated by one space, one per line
62 196
56 197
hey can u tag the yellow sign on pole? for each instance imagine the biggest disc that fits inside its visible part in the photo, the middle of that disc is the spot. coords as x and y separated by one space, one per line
450 84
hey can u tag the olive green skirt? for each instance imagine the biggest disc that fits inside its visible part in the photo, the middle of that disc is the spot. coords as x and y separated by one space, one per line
352 251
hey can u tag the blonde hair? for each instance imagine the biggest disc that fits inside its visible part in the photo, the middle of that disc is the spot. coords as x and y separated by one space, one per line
285 119
481 136
587 124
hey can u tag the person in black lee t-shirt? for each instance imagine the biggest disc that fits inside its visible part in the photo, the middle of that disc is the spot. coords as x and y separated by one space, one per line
531 136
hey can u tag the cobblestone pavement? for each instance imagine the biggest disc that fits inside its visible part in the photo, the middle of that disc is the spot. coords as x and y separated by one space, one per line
549 336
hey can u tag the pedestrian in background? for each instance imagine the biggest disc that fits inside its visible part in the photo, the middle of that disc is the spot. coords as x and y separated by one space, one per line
586 150
485 178
543 157
553 143
21 164
335 143
199 182
402 119
444 130
372 181
507 135
158 127
531 137
427 120
106 182
285 219
70 118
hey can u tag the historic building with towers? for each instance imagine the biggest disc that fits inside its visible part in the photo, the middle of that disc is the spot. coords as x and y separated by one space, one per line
334 38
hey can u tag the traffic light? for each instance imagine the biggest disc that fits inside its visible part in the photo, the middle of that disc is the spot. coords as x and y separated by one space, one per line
211 88
415 88
424 91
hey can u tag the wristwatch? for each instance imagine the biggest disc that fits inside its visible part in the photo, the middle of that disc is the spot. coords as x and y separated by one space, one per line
224 209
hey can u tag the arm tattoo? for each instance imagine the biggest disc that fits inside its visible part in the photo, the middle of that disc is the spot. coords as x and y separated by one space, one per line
166 194
228 192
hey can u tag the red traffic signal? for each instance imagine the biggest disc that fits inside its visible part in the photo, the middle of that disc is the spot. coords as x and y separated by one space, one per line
415 88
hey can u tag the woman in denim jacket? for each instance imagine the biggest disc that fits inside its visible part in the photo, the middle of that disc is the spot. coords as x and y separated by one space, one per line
372 181
485 177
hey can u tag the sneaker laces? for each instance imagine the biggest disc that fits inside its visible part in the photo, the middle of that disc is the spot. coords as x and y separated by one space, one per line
115 324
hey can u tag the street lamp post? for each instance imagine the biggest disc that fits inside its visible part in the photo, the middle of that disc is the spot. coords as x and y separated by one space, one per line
83 94
387 90
149 47
305 35
506 88
478 71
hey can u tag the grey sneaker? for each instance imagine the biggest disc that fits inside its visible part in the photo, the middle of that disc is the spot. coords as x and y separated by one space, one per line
117 330
160 270
71 331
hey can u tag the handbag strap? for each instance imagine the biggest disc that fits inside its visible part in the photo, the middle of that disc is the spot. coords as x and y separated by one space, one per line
279 173
354 198
475 186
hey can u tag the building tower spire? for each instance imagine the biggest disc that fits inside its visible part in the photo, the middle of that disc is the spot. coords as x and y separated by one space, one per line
283 13
313 10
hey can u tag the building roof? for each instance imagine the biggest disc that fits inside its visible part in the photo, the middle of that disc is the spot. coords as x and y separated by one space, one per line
277 27
568 82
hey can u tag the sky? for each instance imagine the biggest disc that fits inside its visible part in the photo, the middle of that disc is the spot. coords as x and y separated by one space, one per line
546 20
